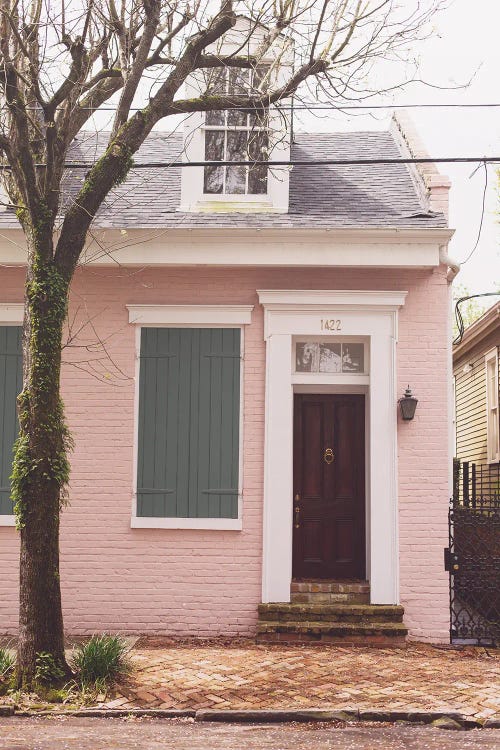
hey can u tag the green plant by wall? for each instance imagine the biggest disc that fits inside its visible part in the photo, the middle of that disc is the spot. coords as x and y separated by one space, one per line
7 662
103 657
47 670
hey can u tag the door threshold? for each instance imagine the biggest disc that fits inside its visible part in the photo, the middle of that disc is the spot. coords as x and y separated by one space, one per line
329 580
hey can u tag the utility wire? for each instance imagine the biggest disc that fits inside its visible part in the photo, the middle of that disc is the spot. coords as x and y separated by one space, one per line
319 107
483 204
293 162
458 313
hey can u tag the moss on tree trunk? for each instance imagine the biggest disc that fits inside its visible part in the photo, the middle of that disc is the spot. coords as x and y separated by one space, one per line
41 468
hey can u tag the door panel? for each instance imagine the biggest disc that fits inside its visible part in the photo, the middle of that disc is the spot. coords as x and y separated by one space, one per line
312 426
329 486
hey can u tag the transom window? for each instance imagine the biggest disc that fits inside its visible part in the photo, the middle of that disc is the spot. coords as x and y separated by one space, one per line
236 135
330 357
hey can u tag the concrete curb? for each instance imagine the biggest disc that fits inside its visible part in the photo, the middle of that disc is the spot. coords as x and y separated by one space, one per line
111 713
346 714
438 718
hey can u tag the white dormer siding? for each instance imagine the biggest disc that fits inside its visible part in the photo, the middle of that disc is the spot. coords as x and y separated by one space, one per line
236 135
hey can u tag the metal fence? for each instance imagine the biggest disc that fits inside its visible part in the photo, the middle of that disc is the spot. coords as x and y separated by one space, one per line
475 483
473 557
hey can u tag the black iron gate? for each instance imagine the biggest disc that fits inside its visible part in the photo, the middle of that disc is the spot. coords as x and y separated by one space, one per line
473 557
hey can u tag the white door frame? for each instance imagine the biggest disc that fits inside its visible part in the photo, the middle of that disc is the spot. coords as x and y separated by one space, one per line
371 314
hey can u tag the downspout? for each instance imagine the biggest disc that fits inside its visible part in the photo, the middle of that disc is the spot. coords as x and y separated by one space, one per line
453 265
453 269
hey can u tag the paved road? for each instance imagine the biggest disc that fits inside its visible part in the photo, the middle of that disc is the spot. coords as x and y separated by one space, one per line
153 734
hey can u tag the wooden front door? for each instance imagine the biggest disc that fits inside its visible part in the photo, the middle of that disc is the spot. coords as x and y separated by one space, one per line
329 486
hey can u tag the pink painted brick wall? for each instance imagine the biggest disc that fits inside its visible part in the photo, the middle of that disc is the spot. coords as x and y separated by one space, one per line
204 583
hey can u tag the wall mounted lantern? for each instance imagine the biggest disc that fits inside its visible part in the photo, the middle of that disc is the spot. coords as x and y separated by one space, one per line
408 404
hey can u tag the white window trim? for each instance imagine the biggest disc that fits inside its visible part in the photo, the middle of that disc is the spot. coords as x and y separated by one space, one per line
492 355
11 314
187 316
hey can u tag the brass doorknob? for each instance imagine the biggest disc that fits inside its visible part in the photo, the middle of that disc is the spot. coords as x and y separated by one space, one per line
328 456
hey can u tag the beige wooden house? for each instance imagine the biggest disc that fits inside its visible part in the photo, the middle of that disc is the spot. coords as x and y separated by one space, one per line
476 388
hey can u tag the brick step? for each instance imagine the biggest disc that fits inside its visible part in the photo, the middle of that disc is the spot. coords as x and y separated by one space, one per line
330 587
318 597
330 592
380 634
331 613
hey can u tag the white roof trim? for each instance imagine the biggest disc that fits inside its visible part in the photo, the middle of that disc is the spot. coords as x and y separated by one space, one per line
11 312
188 316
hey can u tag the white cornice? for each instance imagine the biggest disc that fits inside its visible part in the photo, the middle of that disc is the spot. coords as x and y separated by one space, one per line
11 312
312 299
190 315
291 247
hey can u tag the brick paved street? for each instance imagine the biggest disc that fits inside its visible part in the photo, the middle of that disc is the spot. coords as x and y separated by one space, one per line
146 734
253 677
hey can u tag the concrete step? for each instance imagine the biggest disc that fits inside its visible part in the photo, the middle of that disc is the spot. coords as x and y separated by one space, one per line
380 634
332 613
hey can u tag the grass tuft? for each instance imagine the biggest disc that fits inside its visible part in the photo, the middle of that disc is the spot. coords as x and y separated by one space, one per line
7 662
102 658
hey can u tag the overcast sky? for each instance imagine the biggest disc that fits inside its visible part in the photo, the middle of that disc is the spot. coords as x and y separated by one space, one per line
465 45
464 48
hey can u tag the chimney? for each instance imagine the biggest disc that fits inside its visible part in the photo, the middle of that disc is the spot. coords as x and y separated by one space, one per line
433 186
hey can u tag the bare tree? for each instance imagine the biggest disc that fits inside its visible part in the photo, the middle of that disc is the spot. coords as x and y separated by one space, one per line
60 62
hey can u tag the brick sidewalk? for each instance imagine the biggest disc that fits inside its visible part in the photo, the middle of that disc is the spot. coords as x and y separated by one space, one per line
263 677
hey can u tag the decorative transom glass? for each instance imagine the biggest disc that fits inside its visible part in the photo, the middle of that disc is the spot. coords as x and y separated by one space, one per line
316 356
236 135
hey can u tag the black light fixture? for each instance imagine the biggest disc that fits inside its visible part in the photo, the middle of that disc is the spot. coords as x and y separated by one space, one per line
408 404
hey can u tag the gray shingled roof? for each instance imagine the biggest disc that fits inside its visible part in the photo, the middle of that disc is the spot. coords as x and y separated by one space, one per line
335 196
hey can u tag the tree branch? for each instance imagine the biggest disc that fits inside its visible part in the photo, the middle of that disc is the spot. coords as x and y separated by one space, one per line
132 79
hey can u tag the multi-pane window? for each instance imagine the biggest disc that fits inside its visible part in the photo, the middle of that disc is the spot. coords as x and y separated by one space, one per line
236 135
493 432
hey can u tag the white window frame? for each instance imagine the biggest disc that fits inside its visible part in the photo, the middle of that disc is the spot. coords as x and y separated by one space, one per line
188 316
11 314
493 451
227 128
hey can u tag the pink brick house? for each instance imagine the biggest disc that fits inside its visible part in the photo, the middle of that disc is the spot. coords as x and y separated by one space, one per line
237 345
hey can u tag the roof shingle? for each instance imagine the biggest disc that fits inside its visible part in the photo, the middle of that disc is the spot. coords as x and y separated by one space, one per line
380 195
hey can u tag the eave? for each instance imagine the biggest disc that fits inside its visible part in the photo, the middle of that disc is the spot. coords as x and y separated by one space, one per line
387 247
487 324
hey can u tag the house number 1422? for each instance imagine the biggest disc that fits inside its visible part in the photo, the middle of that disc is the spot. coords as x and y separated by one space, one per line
329 324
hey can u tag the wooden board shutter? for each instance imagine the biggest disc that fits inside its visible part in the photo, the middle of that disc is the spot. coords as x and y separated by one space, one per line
11 380
189 401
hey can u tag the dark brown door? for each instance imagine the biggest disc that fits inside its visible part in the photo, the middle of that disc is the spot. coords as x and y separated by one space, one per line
329 486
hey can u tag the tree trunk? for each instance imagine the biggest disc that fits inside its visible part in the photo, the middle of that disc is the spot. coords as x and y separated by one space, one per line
41 470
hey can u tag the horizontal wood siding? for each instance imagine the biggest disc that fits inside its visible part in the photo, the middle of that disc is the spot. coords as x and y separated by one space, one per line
11 378
189 399
470 401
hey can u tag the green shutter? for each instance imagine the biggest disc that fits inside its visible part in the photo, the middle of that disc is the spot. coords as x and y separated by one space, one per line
11 379
189 400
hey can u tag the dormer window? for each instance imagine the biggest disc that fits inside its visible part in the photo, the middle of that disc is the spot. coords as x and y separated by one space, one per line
236 135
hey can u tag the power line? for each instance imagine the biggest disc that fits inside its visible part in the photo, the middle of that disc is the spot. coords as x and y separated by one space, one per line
294 162
483 205
316 107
